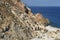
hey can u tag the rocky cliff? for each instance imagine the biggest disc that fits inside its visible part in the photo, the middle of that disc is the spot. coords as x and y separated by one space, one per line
17 22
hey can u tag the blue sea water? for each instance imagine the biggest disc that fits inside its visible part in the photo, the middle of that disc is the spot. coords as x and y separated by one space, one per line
52 13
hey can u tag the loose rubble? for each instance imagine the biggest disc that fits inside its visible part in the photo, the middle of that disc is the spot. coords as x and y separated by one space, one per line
17 22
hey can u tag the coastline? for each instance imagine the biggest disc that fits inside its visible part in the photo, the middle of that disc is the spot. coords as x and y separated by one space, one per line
52 13
19 23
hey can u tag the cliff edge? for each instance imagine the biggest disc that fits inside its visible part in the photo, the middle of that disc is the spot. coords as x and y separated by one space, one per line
17 22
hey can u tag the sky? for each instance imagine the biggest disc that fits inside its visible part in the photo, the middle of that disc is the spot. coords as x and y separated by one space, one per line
42 2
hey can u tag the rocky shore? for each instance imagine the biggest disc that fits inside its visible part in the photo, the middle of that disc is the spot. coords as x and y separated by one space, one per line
17 22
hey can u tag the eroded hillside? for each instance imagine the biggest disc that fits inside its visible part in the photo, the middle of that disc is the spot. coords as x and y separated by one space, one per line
17 22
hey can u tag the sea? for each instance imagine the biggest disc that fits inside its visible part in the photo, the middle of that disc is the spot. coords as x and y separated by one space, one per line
52 13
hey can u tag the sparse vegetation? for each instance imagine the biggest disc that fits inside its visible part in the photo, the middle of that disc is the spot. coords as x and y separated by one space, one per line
17 22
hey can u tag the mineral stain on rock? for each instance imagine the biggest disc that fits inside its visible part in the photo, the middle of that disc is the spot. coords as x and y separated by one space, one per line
17 22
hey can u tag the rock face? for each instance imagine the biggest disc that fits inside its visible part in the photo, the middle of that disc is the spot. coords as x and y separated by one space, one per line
17 22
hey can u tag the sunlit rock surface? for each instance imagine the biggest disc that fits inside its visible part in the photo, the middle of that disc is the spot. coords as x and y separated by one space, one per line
17 22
